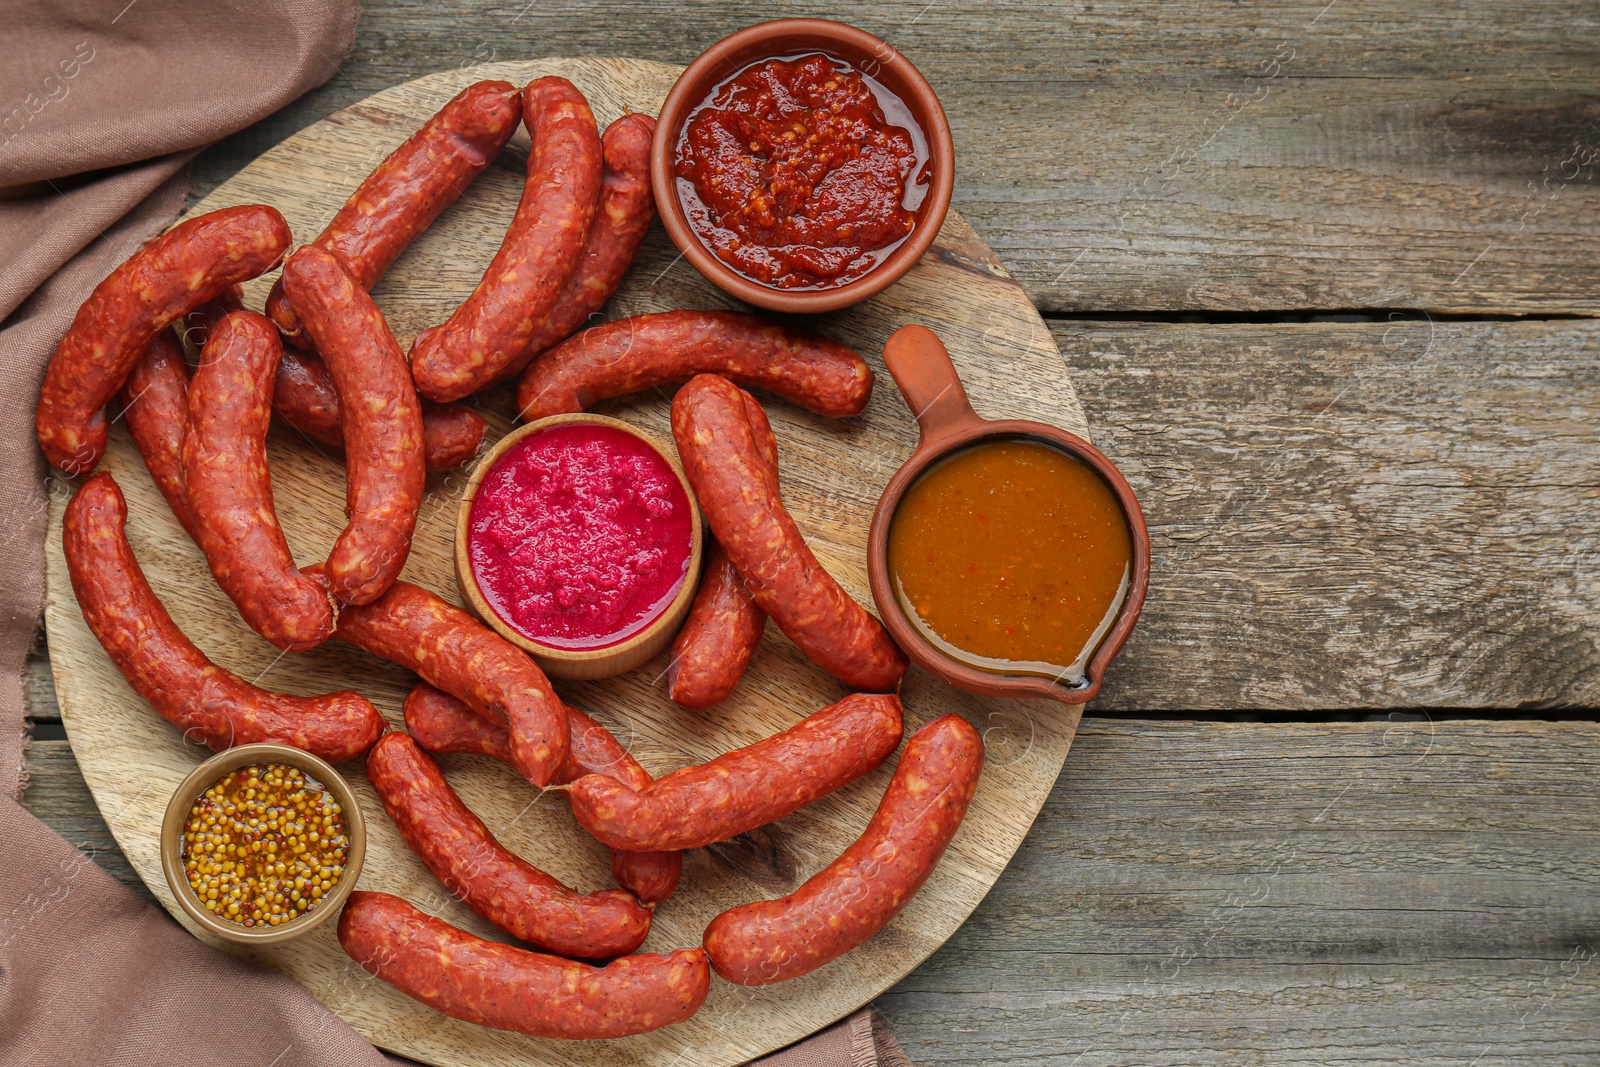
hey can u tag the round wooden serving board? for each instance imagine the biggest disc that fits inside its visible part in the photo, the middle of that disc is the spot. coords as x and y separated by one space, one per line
833 473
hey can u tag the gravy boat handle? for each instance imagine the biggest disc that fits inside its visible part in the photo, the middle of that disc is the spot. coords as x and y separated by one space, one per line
920 365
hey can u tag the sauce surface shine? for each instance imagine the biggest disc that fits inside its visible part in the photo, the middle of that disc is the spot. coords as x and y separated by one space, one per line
802 172
580 536
1013 557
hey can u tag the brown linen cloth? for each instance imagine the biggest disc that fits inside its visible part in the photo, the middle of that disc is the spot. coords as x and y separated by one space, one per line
102 105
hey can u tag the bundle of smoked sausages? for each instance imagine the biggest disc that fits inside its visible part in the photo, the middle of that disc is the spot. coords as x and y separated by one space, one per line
323 360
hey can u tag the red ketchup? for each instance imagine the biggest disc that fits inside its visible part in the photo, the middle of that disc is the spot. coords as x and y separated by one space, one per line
580 536
802 172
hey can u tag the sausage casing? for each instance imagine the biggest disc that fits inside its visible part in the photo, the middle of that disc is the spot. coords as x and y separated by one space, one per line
455 652
178 271
492 328
385 473
305 400
626 207
714 647
857 894
724 626
740 497
206 702
745 788
230 488
409 189
494 881
645 351
441 723
155 405
485 982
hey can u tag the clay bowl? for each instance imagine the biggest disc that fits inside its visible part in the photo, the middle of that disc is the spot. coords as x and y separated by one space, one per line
199 780
927 379
789 37
588 663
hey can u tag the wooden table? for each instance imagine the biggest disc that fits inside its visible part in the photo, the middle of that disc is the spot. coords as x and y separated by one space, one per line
1323 275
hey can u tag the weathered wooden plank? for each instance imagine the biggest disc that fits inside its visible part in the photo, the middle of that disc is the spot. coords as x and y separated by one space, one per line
1293 894
1355 515
38 685
1297 894
1144 156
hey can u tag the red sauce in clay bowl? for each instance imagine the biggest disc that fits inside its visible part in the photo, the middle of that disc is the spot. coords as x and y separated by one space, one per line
579 541
803 172
802 165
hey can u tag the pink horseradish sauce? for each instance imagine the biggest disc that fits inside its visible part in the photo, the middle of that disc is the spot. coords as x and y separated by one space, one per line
580 536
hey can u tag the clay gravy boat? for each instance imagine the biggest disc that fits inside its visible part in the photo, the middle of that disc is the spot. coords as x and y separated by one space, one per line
921 367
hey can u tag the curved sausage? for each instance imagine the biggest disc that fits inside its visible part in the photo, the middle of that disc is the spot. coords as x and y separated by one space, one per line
634 354
441 723
305 400
857 894
230 488
491 330
745 788
410 188
455 652
741 501
507 988
626 208
155 405
155 400
714 647
163 666
491 879
385 473
724 625
178 271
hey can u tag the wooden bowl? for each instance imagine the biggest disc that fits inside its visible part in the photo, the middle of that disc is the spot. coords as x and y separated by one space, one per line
588 663
927 379
199 780
787 37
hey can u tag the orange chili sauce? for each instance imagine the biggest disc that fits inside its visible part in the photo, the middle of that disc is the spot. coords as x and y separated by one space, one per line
1013 557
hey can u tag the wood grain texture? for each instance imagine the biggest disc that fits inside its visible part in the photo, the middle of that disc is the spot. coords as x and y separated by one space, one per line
1318 895
1138 155
1356 516
833 473
1327 895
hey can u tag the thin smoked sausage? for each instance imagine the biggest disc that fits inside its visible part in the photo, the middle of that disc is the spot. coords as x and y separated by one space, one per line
857 894
409 189
455 652
626 208
725 466
634 354
494 881
155 405
441 723
507 988
215 706
724 626
492 328
229 487
745 788
173 274
385 473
